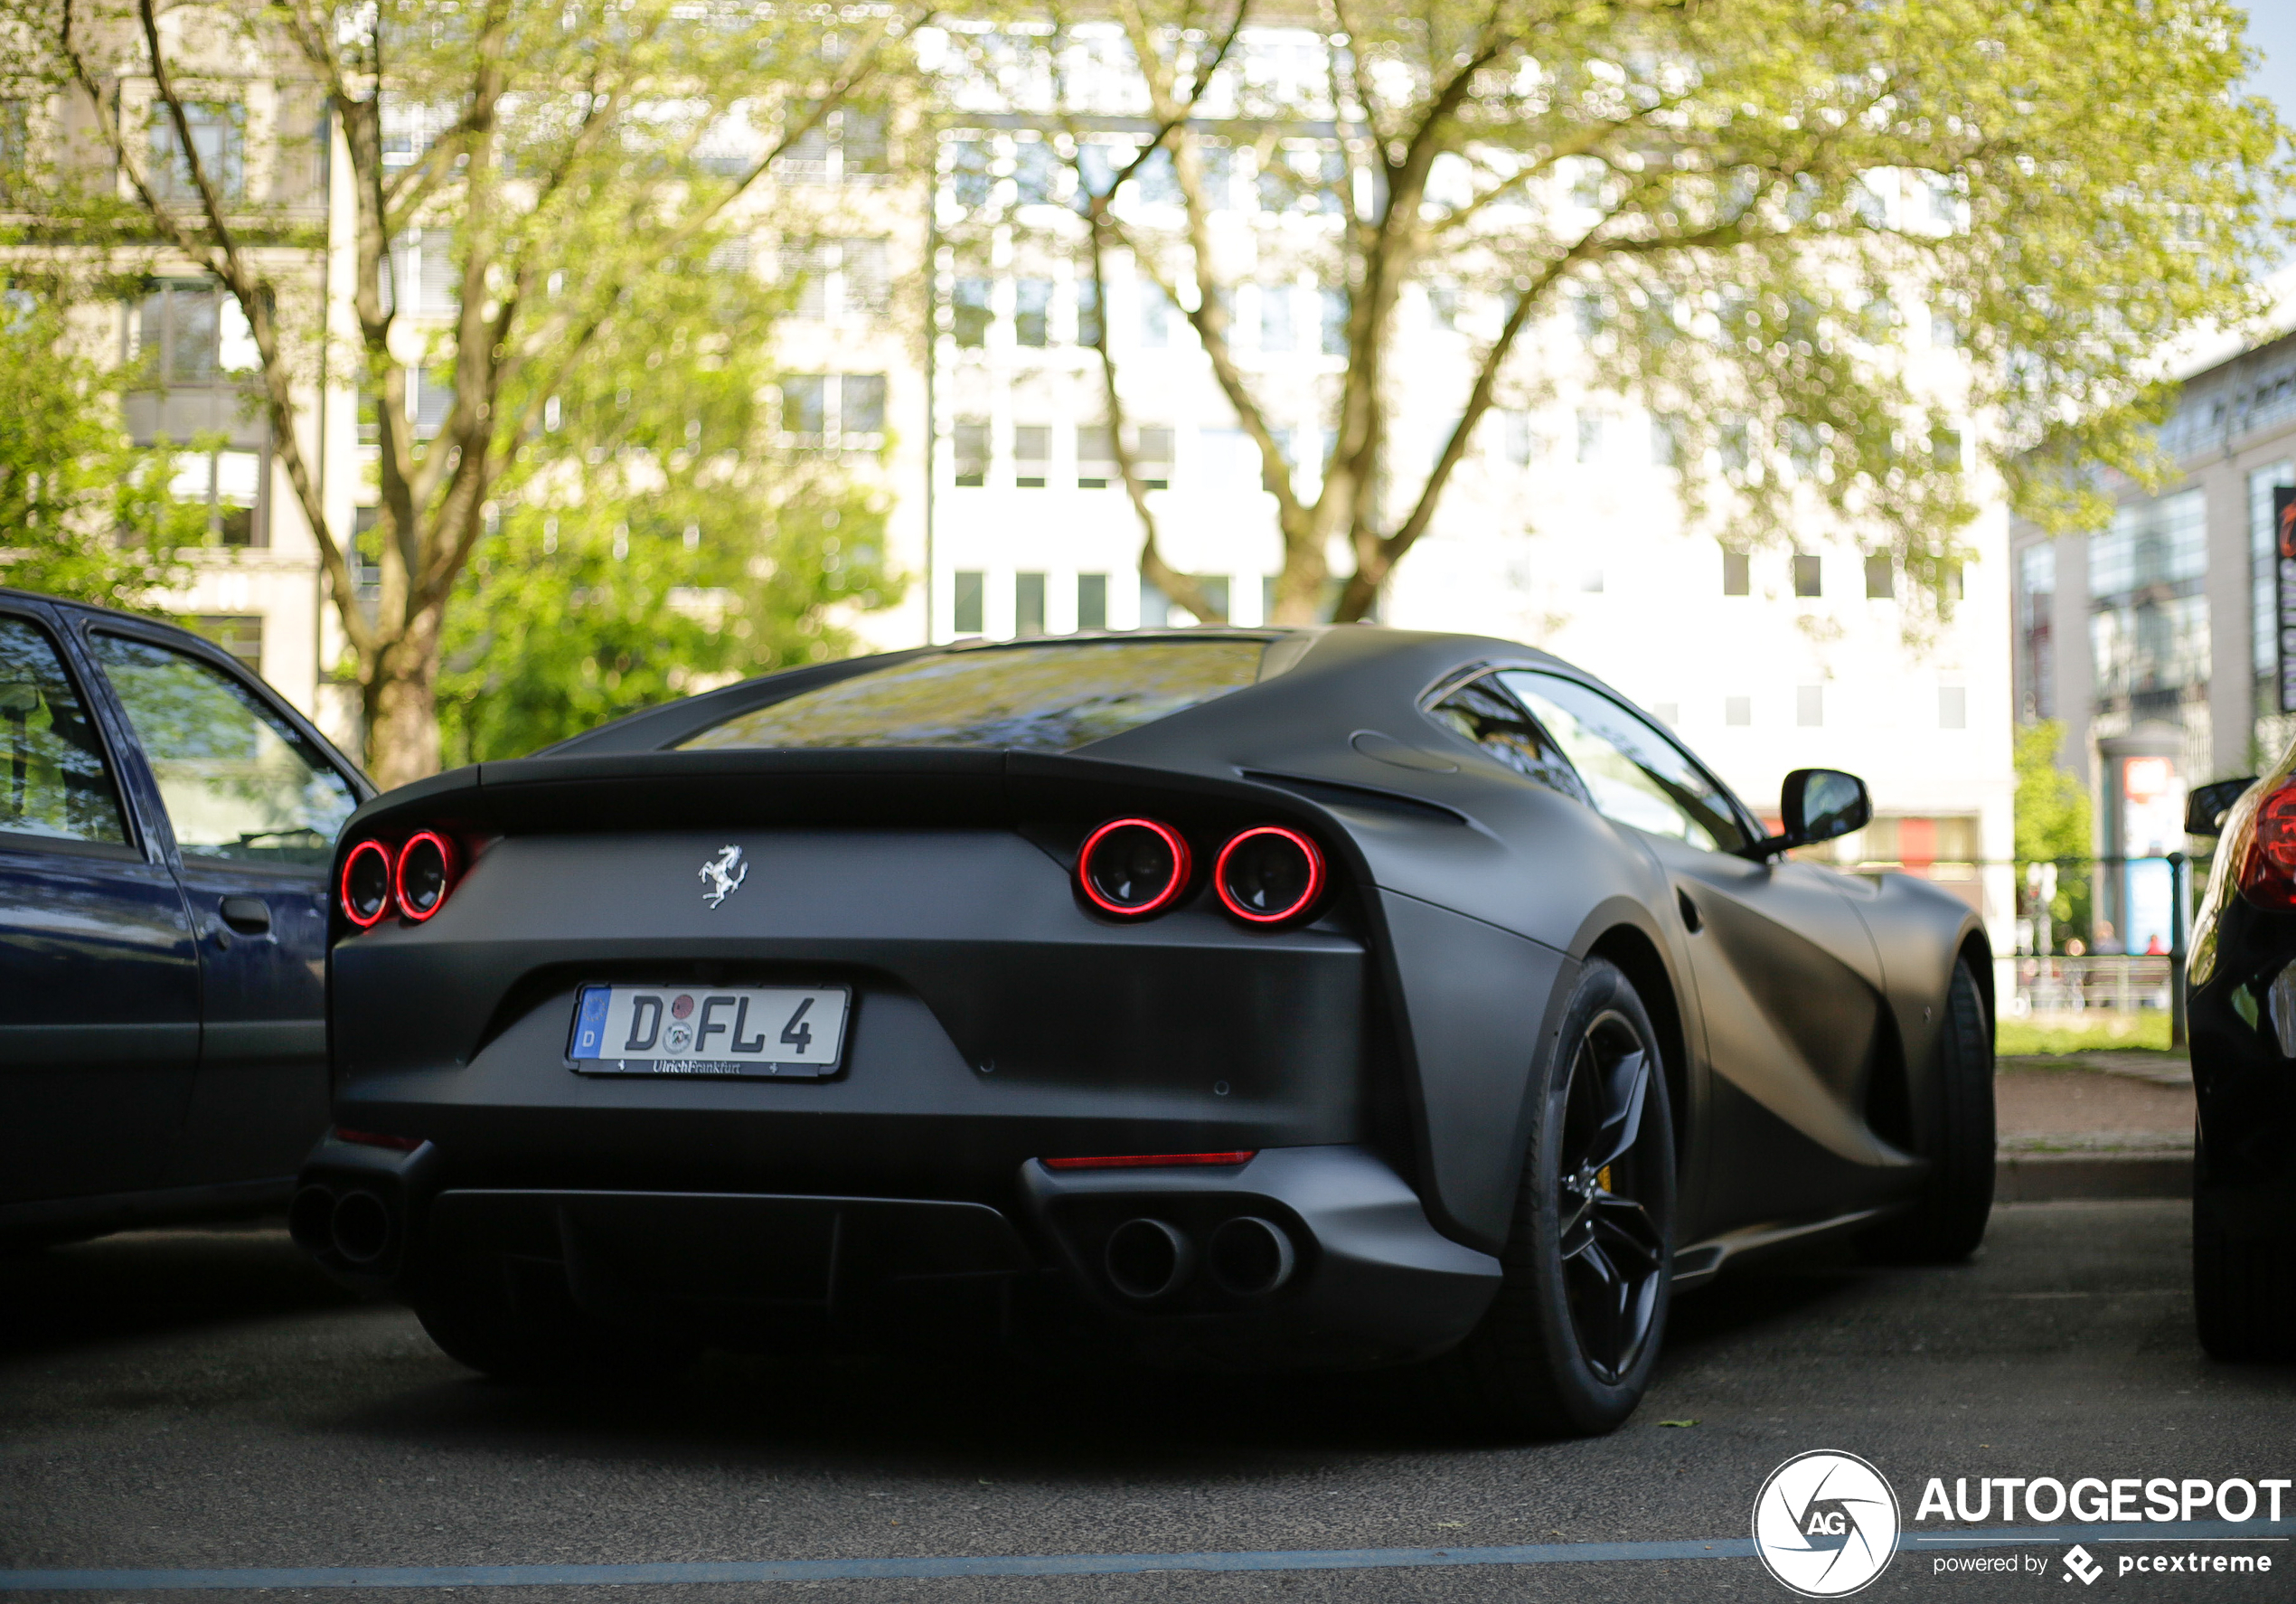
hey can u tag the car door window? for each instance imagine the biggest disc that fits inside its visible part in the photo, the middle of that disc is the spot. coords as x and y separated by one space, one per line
1635 775
238 781
1486 715
52 779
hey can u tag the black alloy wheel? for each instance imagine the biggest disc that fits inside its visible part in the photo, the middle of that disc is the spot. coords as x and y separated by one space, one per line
1567 1347
1614 1253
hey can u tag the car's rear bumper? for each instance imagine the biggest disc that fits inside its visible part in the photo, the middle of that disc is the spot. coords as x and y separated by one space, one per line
1319 1256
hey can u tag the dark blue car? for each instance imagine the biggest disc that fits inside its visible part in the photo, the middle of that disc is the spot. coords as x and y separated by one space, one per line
166 822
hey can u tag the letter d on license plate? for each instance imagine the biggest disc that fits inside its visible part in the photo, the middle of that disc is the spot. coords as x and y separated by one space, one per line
789 1033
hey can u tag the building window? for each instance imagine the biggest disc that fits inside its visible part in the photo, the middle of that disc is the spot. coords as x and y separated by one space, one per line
1591 581
1810 706
969 313
1033 312
1089 328
1155 316
219 142
1737 574
1881 577
2149 627
190 332
1335 320
804 407
229 485
860 405
838 412
846 147
970 183
1275 317
1096 456
968 591
1953 707
1669 714
971 441
1154 456
1092 601
239 634
1807 575
1035 165
1215 589
837 280
2036 615
2263 571
1590 436
1028 604
1666 440
1031 455
1737 710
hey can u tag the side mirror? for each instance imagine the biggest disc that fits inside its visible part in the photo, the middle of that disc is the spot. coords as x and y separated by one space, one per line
1818 805
2206 807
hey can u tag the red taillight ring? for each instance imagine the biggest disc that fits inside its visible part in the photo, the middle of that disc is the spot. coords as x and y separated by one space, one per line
389 882
1306 899
407 909
2267 875
1163 899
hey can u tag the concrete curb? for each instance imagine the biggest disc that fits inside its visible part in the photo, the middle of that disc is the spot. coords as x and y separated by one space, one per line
2052 1177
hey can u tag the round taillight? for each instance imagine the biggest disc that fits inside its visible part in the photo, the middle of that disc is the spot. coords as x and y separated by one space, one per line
1132 866
1268 874
2267 873
366 884
425 875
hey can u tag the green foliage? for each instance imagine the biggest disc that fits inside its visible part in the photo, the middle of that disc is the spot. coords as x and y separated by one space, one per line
1873 263
2140 1030
653 543
86 516
2053 823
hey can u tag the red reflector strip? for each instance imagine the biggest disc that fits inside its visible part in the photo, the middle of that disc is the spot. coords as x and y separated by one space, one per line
368 1138
1143 1161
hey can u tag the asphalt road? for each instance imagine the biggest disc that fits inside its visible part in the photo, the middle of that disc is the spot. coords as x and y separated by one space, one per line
203 1399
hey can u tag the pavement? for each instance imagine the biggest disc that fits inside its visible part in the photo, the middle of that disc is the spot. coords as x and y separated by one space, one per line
204 1398
2085 1125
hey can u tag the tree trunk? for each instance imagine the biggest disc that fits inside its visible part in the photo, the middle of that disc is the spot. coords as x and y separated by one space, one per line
401 710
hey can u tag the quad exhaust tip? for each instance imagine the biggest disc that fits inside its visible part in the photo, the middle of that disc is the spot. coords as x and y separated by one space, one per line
310 1219
1250 1257
1146 1259
360 1228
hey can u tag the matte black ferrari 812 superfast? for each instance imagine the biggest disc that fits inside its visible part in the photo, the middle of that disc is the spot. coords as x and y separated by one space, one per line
1334 996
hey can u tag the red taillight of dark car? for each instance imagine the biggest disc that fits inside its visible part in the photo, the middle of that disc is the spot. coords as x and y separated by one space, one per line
1152 1161
1269 876
2268 869
425 874
1132 867
365 891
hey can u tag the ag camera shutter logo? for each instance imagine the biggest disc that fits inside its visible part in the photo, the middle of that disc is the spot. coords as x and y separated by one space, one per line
1826 1524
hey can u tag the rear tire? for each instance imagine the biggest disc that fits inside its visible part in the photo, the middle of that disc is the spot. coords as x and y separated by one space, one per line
1948 1216
1567 1347
2244 1289
532 1331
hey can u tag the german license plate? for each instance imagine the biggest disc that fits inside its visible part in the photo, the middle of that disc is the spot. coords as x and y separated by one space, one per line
786 1031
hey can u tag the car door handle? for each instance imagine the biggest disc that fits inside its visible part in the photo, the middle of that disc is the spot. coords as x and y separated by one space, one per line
249 916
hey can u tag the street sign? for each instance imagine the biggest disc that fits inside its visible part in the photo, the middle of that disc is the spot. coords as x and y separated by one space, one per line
2285 566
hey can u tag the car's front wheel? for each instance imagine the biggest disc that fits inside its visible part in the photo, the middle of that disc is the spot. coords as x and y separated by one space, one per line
1567 1347
1949 1215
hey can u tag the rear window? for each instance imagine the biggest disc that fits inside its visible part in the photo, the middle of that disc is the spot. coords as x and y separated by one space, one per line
1050 698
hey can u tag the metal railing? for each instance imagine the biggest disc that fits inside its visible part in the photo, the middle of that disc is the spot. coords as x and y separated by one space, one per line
2125 984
